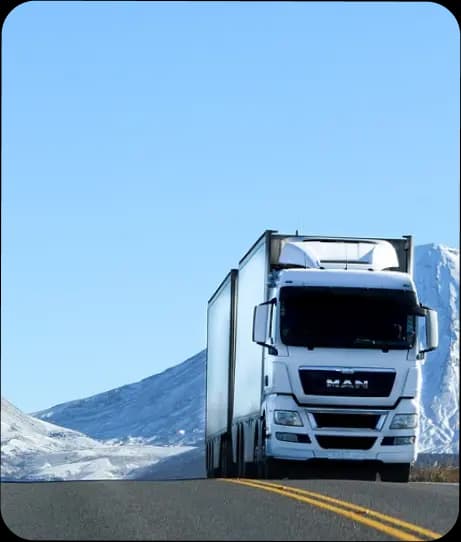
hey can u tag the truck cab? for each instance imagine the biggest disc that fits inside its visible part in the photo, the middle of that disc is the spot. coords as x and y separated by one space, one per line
341 333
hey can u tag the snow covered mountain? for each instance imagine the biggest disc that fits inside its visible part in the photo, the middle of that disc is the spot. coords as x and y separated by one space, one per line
32 449
437 282
168 408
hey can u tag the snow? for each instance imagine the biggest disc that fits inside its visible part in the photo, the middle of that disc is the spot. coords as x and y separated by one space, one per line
437 282
167 408
32 449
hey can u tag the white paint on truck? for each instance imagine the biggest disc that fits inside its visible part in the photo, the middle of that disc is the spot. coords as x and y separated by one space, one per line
320 358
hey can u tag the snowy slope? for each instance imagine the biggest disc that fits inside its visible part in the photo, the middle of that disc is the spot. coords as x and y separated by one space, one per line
32 449
437 282
168 408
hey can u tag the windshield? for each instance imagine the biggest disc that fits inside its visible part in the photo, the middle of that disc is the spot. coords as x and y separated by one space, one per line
347 317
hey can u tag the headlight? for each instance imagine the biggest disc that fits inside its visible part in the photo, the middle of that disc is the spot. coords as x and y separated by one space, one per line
404 421
287 417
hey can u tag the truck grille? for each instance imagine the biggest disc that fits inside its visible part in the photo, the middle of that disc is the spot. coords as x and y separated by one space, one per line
346 443
357 383
356 421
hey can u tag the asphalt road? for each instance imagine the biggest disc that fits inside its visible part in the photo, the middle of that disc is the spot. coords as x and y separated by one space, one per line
229 510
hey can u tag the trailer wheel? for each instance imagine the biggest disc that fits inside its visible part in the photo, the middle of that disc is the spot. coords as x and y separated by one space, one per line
240 454
395 472
209 461
250 468
260 453
223 469
217 470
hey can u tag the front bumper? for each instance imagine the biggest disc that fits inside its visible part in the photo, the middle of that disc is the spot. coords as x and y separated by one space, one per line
338 443
301 452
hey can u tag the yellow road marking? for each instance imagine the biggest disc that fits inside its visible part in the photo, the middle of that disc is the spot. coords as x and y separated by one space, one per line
362 509
310 497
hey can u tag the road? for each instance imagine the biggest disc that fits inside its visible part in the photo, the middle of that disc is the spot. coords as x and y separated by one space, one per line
229 509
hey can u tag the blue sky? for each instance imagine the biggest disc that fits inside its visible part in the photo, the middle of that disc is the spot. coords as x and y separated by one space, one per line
146 145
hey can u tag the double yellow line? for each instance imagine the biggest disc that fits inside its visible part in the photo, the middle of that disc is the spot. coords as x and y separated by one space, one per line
403 530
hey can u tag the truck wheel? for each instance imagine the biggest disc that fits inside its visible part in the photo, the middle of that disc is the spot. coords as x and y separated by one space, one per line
222 469
395 472
266 467
260 452
251 469
260 468
209 464
240 454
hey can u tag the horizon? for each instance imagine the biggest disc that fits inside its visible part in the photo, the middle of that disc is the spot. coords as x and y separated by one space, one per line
188 358
147 146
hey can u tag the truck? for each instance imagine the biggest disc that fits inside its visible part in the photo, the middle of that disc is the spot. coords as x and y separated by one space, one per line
314 352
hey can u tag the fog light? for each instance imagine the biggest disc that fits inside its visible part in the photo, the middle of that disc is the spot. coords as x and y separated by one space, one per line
395 441
292 437
404 440
289 437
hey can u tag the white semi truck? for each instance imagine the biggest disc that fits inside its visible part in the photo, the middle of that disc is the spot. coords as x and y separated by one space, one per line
314 347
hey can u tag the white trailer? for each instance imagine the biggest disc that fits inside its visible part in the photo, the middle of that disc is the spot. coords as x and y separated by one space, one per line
314 346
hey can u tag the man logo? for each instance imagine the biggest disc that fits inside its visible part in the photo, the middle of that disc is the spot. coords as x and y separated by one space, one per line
346 384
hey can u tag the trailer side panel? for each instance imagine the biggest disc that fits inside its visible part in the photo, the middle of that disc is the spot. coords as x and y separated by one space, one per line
220 348
253 269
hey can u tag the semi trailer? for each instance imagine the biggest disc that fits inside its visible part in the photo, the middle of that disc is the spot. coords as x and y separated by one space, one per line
314 352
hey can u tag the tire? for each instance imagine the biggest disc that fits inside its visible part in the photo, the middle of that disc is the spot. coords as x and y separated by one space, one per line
246 469
240 448
223 463
260 452
395 472
222 468
209 464
251 467
266 467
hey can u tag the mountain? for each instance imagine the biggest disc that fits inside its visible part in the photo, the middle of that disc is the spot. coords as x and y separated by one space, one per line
32 449
437 282
168 408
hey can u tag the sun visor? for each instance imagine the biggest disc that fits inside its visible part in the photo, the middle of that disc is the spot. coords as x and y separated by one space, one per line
353 254
299 254
382 256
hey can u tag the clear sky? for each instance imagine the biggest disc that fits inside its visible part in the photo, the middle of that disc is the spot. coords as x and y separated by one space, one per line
146 145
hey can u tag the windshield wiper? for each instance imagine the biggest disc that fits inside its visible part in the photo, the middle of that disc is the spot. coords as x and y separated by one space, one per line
362 340
384 345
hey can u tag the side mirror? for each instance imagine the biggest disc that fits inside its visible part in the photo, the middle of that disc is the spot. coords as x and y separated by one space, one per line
432 330
260 323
